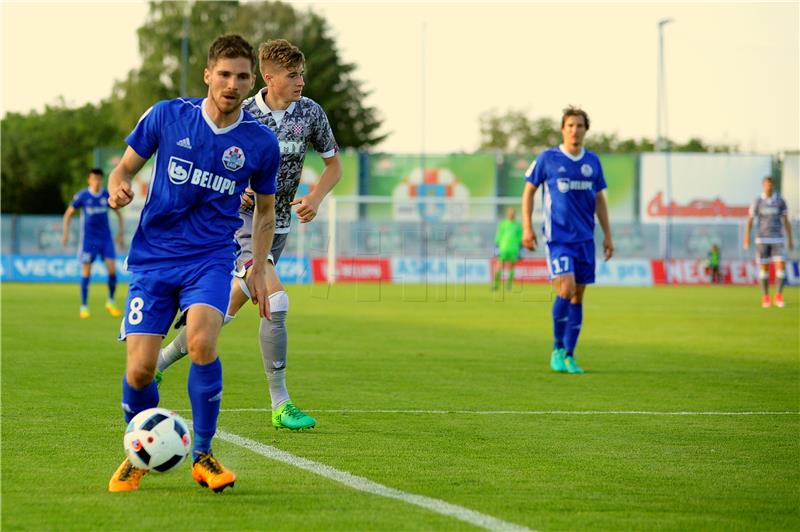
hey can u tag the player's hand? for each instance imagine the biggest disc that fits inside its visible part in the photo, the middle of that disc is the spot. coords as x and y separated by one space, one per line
120 196
248 199
529 240
608 248
307 209
257 284
746 244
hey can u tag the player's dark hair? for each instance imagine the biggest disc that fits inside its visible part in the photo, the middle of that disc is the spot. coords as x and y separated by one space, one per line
97 171
231 46
574 111
280 52
768 178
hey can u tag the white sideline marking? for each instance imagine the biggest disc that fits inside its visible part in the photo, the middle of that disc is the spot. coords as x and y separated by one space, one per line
364 484
532 412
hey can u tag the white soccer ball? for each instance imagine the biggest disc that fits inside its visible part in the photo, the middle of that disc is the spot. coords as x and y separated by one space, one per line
157 439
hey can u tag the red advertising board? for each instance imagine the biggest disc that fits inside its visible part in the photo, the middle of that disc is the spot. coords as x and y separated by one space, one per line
353 269
527 270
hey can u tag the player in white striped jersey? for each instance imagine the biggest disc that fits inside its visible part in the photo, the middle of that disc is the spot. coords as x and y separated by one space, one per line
770 210
298 122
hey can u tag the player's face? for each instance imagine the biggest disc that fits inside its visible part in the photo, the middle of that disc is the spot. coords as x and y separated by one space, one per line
767 184
573 131
286 84
229 82
511 214
95 182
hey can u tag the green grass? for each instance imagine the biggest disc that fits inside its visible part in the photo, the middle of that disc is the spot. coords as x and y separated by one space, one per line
372 347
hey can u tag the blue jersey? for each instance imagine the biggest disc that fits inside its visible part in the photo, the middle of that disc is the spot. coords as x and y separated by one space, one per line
94 214
571 185
192 206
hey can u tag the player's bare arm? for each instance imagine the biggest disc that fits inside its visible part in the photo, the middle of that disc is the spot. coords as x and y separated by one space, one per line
601 208
787 226
65 224
309 204
263 231
528 234
121 231
748 226
120 192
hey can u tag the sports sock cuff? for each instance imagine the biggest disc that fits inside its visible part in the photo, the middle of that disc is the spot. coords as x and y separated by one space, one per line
279 302
227 319
763 275
208 368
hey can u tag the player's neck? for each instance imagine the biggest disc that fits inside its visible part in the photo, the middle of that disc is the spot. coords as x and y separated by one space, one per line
572 149
274 103
220 119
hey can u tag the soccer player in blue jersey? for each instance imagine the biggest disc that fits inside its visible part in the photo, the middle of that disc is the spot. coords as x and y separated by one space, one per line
773 219
298 122
95 239
573 184
182 255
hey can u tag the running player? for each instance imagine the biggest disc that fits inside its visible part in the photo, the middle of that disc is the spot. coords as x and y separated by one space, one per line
297 121
95 239
773 219
183 252
508 240
573 193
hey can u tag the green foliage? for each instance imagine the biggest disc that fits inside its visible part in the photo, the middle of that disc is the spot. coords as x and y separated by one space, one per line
46 156
329 80
514 132
391 348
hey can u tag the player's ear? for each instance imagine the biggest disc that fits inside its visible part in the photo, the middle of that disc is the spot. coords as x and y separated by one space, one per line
207 76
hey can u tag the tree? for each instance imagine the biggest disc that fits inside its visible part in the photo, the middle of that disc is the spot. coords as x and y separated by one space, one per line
329 80
46 156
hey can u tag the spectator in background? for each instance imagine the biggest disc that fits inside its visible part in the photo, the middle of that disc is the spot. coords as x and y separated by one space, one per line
95 238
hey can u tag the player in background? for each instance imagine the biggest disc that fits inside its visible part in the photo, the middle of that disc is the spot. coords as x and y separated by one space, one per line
574 191
508 240
297 121
773 219
713 264
95 239
183 252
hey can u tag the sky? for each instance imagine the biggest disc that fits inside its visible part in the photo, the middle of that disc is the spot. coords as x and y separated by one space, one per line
732 68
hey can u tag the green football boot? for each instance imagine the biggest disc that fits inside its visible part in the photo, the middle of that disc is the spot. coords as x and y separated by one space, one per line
557 361
159 377
288 416
572 366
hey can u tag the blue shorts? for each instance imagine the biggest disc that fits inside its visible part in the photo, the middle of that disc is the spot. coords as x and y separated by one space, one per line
575 258
90 249
155 296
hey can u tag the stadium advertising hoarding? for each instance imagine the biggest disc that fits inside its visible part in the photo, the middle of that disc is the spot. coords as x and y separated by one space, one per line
790 184
38 268
447 183
737 272
696 187
439 270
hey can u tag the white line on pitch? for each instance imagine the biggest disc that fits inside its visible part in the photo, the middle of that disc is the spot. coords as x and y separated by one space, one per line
533 412
364 484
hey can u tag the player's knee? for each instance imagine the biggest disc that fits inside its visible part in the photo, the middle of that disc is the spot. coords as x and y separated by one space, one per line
140 376
780 273
202 348
763 274
279 300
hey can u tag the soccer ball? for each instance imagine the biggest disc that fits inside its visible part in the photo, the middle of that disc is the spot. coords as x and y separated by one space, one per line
157 439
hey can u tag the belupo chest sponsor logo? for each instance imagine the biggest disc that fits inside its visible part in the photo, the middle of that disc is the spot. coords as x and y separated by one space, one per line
182 171
565 184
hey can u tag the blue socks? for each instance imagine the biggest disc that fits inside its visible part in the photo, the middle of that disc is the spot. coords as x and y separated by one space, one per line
560 311
84 290
205 393
112 286
134 401
574 322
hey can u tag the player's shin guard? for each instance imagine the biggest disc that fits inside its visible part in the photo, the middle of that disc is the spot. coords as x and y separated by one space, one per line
574 323
274 342
780 280
112 286
84 290
763 277
134 401
205 394
560 312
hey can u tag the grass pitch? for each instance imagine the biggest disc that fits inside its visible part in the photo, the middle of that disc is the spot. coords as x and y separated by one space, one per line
400 356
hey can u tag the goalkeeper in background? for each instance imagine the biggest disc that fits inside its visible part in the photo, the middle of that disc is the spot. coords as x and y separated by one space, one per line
508 240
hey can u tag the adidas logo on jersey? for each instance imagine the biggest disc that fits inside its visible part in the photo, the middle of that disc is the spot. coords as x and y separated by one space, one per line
561 169
185 143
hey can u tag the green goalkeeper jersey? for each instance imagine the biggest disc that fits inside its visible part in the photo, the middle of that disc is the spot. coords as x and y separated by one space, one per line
508 237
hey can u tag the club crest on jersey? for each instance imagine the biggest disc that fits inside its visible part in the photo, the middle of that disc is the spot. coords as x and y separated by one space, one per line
179 170
586 170
563 184
233 158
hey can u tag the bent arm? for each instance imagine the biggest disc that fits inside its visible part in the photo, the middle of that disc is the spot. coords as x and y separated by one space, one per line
65 223
120 192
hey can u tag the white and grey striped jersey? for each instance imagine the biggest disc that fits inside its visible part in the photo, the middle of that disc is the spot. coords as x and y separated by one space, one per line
769 213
